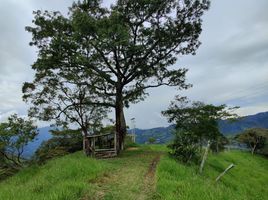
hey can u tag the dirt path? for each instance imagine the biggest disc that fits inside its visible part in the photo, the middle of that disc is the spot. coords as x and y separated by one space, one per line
133 178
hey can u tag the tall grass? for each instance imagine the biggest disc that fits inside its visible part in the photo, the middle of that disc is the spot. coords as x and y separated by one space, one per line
248 180
63 178
76 176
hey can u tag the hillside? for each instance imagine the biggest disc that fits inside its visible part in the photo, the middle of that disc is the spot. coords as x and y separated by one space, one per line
43 135
164 134
259 120
146 172
161 134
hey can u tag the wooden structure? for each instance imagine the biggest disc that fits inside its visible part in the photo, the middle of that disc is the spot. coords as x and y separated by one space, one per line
103 145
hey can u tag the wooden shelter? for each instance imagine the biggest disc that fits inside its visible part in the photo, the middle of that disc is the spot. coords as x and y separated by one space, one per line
103 145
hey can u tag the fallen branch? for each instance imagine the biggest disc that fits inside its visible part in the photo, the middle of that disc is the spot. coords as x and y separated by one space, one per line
226 170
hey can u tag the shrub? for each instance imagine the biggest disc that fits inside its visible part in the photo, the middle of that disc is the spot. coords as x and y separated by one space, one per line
185 147
62 143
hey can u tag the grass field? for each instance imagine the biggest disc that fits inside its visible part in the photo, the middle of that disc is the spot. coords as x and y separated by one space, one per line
248 180
135 175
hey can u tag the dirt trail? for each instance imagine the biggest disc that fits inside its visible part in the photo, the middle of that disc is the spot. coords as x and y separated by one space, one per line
132 179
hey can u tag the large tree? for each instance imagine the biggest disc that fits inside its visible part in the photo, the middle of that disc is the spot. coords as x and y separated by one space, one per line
126 48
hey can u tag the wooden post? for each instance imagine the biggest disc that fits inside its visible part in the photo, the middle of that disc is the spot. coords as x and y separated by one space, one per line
226 170
204 158
115 142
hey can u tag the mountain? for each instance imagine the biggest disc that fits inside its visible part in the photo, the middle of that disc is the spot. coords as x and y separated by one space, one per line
164 134
43 135
161 134
259 120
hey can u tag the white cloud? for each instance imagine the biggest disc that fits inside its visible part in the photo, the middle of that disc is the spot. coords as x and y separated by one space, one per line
230 67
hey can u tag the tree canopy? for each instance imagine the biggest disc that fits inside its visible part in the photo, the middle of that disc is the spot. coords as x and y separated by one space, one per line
116 53
196 124
255 138
15 134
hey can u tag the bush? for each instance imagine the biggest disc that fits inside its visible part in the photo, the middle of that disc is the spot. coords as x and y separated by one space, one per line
185 147
59 145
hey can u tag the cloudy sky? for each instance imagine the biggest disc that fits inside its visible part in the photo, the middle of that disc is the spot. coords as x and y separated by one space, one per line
231 66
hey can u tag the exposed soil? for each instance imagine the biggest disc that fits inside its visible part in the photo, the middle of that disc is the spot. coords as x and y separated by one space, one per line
151 171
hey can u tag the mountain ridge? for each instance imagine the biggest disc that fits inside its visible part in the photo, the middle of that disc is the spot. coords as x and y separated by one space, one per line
164 134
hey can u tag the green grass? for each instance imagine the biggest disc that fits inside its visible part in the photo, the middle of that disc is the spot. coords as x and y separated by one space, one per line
126 177
63 178
248 180
127 181
76 176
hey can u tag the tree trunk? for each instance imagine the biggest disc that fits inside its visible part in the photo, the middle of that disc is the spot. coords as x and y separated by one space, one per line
253 149
120 121
86 145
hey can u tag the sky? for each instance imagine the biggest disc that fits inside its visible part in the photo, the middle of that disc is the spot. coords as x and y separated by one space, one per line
230 67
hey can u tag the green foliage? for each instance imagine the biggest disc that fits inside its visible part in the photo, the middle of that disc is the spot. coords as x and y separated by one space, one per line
109 57
63 142
196 123
15 134
185 147
256 139
107 129
246 181
151 140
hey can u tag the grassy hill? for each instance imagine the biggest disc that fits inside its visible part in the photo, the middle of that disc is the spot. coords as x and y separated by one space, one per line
146 172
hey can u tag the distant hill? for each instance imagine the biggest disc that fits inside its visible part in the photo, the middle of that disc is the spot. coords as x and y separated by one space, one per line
259 120
161 134
164 134
43 135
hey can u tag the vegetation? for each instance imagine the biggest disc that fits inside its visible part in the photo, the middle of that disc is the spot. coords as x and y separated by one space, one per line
133 175
185 147
63 142
256 139
151 140
110 54
14 135
244 182
196 125
65 103
63 178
